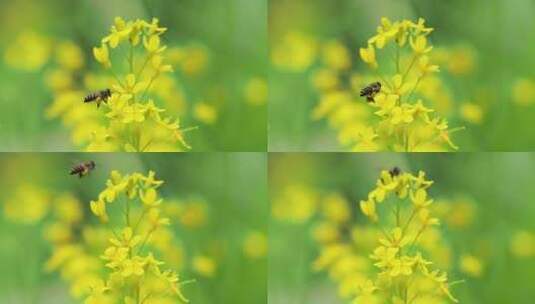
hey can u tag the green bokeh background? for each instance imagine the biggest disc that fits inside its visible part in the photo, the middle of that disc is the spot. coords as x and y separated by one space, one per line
501 185
500 31
233 31
233 185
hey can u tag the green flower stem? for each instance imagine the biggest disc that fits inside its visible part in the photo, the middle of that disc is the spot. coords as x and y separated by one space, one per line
139 220
147 59
413 61
149 85
131 58
415 86
397 60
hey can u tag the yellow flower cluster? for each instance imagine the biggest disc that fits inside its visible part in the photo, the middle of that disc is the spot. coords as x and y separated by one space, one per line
135 275
135 122
62 79
345 244
405 124
73 258
396 117
405 275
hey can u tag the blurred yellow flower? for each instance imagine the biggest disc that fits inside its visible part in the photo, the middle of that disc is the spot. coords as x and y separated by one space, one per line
461 61
69 55
193 214
256 91
204 266
471 112
30 51
295 52
192 59
28 204
195 61
57 232
471 265
523 244
325 232
296 204
458 213
335 208
58 79
255 245
523 91
67 208
205 113
325 80
336 55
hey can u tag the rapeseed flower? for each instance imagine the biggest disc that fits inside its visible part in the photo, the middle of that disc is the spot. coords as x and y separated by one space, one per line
130 265
404 274
135 123
402 118
403 115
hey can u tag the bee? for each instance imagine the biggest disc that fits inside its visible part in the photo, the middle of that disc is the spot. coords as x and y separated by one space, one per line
394 171
370 91
100 96
83 169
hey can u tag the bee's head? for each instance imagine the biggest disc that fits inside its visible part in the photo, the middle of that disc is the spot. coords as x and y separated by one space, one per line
91 164
394 171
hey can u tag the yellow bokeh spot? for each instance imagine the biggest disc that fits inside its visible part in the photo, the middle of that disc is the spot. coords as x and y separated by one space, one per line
295 52
471 265
204 266
471 112
192 214
29 204
30 51
523 244
297 204
256 91
69 55
523 91
255 245
205 113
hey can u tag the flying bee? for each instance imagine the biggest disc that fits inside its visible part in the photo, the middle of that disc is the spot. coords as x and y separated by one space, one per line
83 169
100 96
370 91
394 171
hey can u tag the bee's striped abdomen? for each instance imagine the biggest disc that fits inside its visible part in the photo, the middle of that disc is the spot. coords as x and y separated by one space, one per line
91 97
